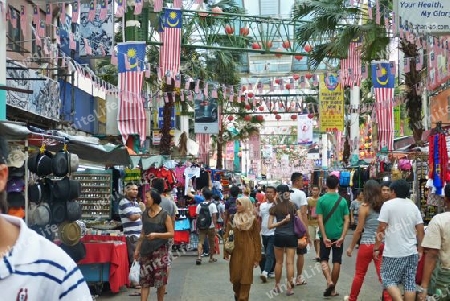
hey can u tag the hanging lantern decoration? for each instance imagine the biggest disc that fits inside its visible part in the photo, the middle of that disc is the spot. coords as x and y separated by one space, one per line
243 88
248 107
229 30
277 81
294 117
279 54
230 118
286 44
298 57
308 48
308 75
277 117
296 77
275 112
247 118
310 115
288 86
216 10
250 94
260 118
244 31
261 108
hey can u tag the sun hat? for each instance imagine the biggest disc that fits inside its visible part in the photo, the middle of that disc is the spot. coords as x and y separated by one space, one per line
69 233
41 215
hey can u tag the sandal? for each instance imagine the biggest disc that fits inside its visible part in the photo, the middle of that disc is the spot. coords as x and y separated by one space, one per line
289 292
198 262
135 294
300 281
212 260
329 290
336 294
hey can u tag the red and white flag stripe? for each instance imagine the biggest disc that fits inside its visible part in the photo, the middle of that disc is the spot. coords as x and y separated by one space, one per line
384 107
351 66
131 116
204 146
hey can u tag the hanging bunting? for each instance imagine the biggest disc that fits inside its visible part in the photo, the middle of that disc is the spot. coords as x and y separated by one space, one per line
102 50
103 10
157 5
138 7
147 71
48 13
58 35
62 13
214 93
114 59
120 9
177 3
23 19
13 16
377 12
92 10
406 68
75 11
393 67
182 95
178 81
205 90
369 10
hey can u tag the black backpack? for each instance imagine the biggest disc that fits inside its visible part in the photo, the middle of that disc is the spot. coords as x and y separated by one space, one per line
204 218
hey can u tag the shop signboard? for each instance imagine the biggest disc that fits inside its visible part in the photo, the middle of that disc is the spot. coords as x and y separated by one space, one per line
423 16
331 108
206 115
161 118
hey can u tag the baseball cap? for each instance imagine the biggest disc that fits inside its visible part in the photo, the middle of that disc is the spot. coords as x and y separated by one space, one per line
283 189
15 185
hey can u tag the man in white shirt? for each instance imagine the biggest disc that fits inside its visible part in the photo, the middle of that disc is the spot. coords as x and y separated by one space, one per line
32 267
401 226
298 197
266 233
209 232
436 271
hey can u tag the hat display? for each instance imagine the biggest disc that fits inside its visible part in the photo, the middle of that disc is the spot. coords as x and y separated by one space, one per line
17 212
16 158
73 211
40 192
69 233
16 199
74 162
15 185
58 212
283 189
41 215
66 190
14 172
60 164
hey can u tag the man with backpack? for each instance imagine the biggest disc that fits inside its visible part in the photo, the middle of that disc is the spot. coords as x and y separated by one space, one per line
206 225
230 204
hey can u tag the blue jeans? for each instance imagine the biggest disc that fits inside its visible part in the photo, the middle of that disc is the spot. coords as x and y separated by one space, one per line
269 252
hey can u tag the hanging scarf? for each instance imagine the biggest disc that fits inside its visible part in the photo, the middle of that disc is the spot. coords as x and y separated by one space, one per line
443 158
437 180
431 156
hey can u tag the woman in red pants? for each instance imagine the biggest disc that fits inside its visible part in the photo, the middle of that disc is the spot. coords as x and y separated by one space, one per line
368 220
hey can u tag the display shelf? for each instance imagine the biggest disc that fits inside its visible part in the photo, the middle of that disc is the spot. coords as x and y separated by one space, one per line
96 191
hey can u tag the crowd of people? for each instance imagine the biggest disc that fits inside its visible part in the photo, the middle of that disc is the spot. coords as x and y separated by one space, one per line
260 230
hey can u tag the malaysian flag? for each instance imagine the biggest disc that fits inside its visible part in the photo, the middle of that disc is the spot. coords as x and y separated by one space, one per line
48 13
351 66
157 5
377 12
203 150
177 3
138 5
383 82
103 10
120 11
75 11
170 35
131 118
62 13
23 19
92 10
36 17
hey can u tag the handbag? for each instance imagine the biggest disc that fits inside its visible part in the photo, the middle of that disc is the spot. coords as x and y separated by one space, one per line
299 227
332 210
301 243
229 241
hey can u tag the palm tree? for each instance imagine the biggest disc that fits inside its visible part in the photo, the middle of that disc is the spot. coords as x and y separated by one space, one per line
333 25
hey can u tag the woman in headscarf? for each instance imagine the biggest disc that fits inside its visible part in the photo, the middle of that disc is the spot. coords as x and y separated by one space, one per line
247 248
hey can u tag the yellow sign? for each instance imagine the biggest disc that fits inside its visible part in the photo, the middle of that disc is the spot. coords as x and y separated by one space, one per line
331 98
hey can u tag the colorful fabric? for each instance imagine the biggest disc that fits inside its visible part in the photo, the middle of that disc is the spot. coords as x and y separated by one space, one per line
153 271
396 270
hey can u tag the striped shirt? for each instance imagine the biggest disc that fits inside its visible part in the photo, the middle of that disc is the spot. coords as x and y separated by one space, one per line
35 269
126 209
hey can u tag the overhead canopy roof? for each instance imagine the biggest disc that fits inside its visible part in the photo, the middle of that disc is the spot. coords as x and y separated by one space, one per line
86 150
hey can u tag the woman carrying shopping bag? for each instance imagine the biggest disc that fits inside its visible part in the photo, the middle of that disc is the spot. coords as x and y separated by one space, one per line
151 250
246 252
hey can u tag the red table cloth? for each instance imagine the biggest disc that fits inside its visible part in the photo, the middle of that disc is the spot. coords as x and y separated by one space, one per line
112 250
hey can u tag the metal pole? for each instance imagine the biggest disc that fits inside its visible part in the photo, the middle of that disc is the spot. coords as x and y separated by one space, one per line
3 33
26 181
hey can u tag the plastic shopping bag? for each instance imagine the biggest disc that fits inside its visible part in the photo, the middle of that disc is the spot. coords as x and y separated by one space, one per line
134 272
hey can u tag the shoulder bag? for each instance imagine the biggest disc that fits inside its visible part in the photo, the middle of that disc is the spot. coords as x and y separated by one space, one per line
229 241
332 210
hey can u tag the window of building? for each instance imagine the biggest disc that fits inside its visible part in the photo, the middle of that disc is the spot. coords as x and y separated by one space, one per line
15 36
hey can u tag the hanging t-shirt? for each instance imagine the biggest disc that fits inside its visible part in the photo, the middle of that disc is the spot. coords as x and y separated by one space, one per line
203 180
179 175
189 173
132 175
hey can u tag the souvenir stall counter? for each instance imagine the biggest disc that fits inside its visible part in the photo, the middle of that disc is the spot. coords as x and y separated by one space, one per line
106 261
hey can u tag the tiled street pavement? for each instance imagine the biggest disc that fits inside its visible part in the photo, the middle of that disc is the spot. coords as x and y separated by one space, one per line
209 281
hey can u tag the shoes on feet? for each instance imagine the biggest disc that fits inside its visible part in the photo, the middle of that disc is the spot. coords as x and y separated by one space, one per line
264 276
271 275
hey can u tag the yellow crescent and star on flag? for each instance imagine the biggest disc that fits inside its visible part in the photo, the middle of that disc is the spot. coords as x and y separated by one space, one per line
382 76
172 18
131 54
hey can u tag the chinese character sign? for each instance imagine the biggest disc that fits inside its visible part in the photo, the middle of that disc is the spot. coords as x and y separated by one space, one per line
331 98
